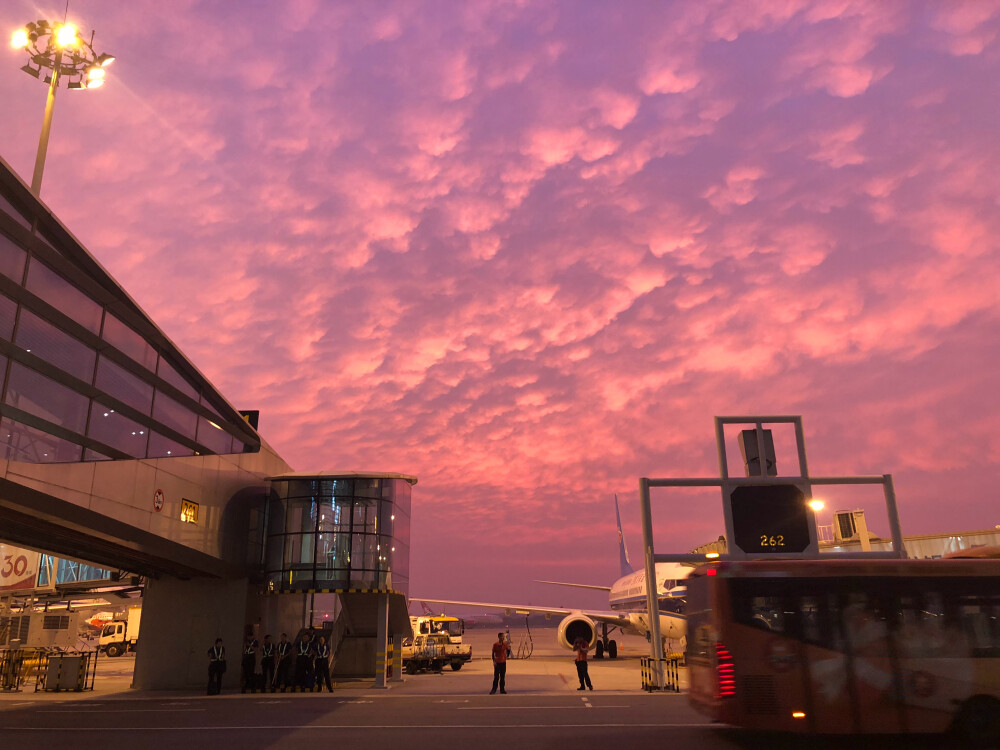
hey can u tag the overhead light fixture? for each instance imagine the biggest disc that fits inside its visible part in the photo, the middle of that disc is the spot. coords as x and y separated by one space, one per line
19 39
67 35
104 59
36 72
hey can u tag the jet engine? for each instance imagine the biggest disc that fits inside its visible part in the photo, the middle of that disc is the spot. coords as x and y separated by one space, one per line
577 626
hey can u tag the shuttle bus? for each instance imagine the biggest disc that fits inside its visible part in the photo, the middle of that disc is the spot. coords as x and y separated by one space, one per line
848 646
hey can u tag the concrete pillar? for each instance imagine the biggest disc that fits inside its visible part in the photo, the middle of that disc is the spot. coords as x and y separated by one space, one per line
381 640
180 622
397 657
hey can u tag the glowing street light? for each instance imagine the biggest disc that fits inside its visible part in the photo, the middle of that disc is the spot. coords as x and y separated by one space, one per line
59 48
816 505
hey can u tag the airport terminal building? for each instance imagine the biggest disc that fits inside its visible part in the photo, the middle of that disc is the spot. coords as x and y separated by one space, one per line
116 450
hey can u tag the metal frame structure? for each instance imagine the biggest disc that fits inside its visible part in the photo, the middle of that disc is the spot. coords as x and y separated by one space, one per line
727 484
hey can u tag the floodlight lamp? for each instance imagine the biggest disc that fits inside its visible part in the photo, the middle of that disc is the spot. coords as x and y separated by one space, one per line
95 73
75 85
104 60
67 35
31 71
816 505
19 39
95 83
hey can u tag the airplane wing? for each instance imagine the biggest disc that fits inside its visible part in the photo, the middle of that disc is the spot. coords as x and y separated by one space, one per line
610 618
577 585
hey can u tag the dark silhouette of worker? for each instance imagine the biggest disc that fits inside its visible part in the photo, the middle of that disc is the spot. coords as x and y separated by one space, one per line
580 646
500 651
216 667
304 662
267 663
248 664
322 665
284 666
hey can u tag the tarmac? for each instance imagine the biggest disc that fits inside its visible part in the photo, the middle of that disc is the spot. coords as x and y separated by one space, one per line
550 670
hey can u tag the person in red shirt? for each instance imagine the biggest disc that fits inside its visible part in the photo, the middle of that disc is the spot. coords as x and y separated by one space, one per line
500 649
580 647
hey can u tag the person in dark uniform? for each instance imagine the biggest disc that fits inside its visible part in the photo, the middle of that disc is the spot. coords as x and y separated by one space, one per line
580 647
284 651
303 662
216 667
500 650
267 663
248 665
323 664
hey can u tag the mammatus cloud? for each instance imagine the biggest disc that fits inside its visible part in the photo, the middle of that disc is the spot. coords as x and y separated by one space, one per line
528 251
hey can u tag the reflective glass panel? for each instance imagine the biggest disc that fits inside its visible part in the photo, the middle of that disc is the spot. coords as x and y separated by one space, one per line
63 296
19 442
45 398
118 431
11 259
214 437
8 310
171 375
299 550
7 207
161 447
56 347
173 415
129 342
116 381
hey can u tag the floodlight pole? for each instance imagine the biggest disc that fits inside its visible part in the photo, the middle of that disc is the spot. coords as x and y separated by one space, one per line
43 141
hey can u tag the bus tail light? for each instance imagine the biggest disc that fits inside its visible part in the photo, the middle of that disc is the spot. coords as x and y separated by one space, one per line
726 671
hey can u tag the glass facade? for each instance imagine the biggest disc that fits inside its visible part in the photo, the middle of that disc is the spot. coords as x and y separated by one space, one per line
337 533
70 571
85 375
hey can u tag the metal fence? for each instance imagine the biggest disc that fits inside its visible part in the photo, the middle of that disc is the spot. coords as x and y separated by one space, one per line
53 671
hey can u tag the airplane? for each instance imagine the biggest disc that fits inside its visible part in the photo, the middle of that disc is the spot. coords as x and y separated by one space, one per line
626 599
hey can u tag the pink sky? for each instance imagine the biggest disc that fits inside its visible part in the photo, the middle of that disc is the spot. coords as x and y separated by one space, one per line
527 251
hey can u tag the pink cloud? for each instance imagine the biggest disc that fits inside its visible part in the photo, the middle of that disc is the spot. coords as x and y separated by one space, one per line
526 251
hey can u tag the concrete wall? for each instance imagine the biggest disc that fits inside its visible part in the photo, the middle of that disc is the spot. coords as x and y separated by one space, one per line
180 622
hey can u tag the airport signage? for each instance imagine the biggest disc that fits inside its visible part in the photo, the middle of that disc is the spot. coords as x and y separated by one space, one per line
770 519
18 568
189 511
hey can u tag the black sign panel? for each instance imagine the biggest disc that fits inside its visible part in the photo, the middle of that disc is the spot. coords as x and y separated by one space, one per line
770 518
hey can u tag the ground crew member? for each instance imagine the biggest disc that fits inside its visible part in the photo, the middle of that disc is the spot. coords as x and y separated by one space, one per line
323 664
303 662
284 650
248 665
580 647
500 665
216 667
267 663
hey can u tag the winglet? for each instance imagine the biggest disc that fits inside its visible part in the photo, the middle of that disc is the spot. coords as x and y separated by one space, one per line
626 566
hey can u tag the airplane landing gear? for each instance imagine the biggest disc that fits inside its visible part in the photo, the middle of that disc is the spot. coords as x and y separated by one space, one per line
605 645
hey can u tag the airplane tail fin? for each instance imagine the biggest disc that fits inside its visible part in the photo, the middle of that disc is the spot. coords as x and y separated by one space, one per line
623 561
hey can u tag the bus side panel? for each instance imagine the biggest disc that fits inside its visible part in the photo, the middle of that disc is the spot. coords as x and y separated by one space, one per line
934 688
831 709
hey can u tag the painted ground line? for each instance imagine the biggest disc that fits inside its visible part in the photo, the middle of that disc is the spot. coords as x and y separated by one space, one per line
361 727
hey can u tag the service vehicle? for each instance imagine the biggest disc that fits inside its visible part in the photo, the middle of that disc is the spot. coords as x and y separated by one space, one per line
121 635
425 653
848 646
451 650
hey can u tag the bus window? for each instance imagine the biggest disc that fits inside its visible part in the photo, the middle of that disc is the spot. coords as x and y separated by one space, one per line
980 618
866 625
809 619
921 631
